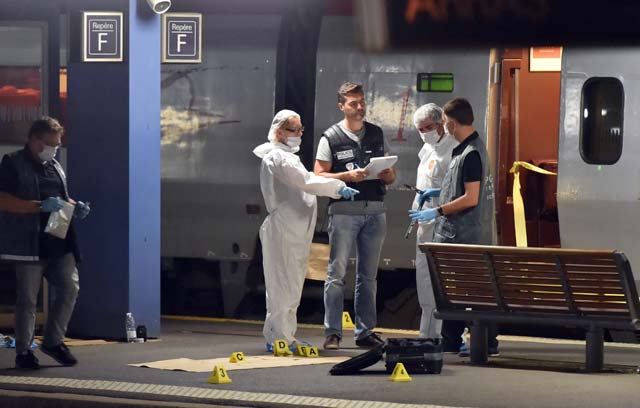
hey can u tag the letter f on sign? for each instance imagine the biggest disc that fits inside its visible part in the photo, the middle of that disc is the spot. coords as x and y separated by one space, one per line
181 41
101 40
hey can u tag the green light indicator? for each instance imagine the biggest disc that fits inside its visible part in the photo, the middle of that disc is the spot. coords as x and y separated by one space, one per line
599 167
431 82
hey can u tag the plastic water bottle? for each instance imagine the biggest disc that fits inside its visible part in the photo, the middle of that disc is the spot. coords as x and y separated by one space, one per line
130 326
466 338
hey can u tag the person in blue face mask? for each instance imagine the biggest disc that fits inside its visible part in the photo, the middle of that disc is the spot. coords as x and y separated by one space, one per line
32 186
289 193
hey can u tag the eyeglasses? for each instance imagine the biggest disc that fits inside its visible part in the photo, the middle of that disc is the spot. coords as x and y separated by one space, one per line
300 129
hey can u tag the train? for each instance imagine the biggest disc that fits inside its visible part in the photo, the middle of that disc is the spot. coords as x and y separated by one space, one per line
570 119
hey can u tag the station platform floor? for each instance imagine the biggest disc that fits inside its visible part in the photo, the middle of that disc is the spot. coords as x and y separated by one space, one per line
529 373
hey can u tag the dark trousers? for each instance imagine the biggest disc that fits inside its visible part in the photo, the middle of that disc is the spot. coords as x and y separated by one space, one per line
452 331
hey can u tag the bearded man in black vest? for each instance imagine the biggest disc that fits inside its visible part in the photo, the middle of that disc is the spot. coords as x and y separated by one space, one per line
344 151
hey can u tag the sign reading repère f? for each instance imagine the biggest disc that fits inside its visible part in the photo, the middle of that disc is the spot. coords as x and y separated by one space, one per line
102 36
181 37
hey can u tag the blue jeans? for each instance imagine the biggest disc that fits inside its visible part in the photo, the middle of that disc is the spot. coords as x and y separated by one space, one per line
368 232
62 275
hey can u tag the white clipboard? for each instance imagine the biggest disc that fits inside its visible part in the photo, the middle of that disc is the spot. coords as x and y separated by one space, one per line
377 164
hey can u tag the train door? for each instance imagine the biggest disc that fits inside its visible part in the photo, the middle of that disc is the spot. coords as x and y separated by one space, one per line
23 98
528 132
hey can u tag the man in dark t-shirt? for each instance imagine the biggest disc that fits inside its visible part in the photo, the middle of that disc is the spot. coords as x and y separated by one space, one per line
465 214
32 186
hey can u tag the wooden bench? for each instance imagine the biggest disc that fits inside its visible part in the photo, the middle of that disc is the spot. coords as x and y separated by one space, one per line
594 290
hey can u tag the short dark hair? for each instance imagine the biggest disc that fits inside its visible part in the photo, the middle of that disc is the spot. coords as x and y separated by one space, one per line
348 88
44 126
460 110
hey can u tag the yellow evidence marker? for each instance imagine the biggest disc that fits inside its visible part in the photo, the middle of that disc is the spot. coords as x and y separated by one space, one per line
307 351
219 376
237 357
347 323
399 373
281 348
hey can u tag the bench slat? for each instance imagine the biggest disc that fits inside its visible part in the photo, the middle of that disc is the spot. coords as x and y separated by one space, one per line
576 284
451 274
566 259
462 299
591 268
513 301
452 256
600 298
508 287
511 295
597 289
604 277
497 250
467 284
468 292
527 267
463 269
528 274
528 281
558 294
461 263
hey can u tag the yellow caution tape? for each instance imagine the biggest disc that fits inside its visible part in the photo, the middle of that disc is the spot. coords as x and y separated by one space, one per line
518 204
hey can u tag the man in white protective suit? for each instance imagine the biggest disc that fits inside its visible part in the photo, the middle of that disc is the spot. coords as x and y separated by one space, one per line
289 192
435 157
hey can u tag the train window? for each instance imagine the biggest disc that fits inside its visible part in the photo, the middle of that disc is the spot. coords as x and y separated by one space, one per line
602 119
430 82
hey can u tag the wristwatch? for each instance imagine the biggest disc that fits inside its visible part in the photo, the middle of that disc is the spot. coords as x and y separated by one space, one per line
440 211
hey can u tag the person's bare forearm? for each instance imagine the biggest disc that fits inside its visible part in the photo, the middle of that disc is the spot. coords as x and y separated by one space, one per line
344 176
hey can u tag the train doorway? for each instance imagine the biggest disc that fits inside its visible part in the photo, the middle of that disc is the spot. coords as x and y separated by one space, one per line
527 129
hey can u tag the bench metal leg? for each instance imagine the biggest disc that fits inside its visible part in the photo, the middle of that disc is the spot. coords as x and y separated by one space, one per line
595 349
479 351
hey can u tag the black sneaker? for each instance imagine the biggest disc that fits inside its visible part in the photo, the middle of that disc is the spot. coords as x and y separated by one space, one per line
370 341
493 351
332 342
27 361
60 353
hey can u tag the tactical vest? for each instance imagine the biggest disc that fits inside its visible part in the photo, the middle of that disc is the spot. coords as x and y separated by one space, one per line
347 155
473 225
20 233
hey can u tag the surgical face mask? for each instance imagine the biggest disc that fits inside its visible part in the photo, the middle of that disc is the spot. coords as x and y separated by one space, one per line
430 137
449 130
48 153
294 141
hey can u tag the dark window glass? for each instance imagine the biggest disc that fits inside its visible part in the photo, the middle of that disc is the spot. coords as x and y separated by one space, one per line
601 127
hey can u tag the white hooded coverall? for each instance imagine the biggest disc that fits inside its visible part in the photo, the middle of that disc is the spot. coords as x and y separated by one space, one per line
289 192
434 162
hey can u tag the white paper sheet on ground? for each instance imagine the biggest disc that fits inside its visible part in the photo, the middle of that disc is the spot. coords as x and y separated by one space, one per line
251 362
377 164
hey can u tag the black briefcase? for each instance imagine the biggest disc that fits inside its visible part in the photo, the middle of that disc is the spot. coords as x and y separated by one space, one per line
419 356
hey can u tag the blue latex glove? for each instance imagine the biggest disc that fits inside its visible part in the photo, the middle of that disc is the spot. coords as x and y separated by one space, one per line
423 215
427 194
82 210
51 204
348 193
